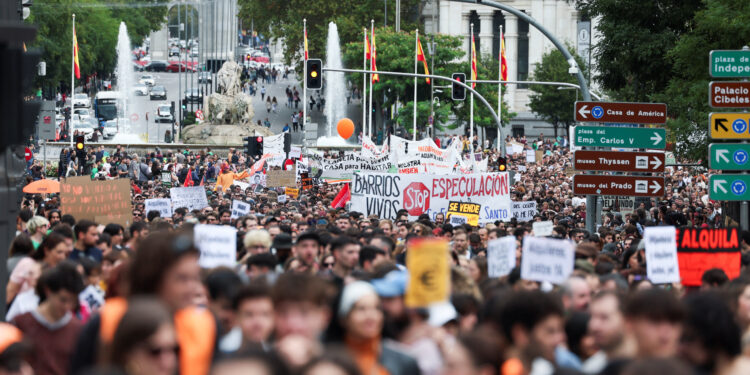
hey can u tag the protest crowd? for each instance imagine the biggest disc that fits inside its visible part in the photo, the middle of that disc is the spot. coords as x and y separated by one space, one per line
186 261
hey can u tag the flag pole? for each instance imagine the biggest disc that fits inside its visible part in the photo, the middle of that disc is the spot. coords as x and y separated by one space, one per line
364 84
471 102
372 52
500 90
304 81
72 78
414 122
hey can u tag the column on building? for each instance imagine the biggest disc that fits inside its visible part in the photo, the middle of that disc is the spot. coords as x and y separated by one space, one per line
485 32
465 33
536 39
511 54
549 21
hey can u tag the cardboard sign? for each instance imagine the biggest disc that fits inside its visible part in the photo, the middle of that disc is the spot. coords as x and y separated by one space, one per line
101 201
530 156
163 205
93 296
700 249
383 194
547 259
542 228
661 255
501 256
239 208
217 244
539 155
292 192
279 178
192 198
469 212
523 211
429 272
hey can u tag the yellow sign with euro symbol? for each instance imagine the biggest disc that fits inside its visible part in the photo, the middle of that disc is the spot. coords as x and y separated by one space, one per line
428 261
729 125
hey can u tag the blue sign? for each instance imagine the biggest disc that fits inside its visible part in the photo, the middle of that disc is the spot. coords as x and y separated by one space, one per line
740 157
738 187
739 126
597 112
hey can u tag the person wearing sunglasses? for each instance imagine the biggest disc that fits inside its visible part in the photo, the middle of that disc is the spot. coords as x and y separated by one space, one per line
137 216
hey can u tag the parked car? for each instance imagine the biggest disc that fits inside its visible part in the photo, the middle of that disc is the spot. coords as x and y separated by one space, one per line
174 51
156 66
204 77
158 92
179 67
140 89
147 79
110 128
164 113
83 113
85 126
81 100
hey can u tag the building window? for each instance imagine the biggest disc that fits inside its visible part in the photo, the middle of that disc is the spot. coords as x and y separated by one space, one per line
497 21
523 50
474 18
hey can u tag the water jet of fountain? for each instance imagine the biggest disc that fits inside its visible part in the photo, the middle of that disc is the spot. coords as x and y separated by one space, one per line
335 86
130 131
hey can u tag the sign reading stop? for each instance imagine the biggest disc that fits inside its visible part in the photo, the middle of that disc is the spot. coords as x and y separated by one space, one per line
416 199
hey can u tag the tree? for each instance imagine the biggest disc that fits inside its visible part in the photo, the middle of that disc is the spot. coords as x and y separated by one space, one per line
723 24
282 19
631 57
550 104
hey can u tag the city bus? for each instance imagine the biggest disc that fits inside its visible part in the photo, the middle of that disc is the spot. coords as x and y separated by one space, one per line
108 105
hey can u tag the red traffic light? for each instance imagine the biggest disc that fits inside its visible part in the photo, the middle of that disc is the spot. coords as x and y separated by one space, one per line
259 139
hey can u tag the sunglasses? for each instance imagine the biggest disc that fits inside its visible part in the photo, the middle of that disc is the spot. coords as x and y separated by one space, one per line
328 264
137 214
159 351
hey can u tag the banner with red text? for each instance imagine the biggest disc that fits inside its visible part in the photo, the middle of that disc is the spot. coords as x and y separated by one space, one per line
383 194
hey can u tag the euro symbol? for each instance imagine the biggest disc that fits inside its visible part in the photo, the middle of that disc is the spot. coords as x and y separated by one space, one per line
427 279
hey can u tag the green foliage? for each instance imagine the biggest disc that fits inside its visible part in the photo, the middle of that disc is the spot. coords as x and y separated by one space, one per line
631 57
723 24
405 115
282 19
96 28
553 105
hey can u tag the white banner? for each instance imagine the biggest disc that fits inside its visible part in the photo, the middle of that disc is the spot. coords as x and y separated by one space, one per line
344 167
239 208
661 255
425 155
542 228
383 194
524 211
501 256
547 259
622 204
163 205
295 152
217 244
192 198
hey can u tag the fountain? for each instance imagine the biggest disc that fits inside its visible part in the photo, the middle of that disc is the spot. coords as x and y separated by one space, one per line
128 131
335 108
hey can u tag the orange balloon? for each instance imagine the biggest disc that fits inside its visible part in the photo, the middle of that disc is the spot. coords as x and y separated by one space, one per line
345 127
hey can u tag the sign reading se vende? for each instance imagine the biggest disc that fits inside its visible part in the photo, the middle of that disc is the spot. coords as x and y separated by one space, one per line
626 113
727 94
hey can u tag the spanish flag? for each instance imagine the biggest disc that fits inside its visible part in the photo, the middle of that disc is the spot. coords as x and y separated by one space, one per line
375 77
76 64
306 43
367 46
421 57
473 62
503 60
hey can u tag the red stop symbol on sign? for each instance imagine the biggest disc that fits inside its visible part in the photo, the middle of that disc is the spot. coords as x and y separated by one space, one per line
416 199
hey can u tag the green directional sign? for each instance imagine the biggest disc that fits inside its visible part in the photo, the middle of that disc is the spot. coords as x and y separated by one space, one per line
729 187
603 136
729 156
729 63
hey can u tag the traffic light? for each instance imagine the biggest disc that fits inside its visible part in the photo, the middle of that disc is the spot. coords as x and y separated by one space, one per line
253 147
248 145
287 142
314 74
458 92
258 147
80 143
502 164
19 113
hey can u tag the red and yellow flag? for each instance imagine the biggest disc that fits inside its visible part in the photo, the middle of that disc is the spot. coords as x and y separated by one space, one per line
503 60
375 77
76 64
306 57
473 62
367 45
421 57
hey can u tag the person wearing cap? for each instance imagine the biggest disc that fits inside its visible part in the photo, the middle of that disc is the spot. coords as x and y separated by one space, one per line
282 246
361 320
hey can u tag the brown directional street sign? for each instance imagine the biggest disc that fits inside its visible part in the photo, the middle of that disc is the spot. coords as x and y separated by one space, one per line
728 94
634 186
647 162
624 113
